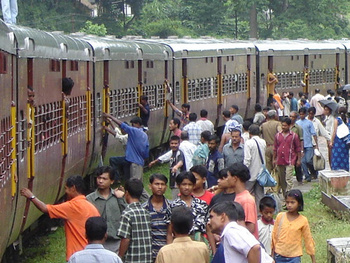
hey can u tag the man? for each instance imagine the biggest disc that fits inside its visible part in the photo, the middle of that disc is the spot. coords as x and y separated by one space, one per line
229 125
183 249
157 205
299 131
144 111
234 114
254 150
109 203
271 82
233 153
188 149
9 10
286 154
174 126
314 102
215 161
75 211
137 147
238 243
193 129
293 102
308 133
204 123
286 104
135 226
94 252
226 192
200 155
259 117
269 130
184 113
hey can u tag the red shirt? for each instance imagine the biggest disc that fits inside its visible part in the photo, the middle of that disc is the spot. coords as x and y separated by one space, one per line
206 197
286 148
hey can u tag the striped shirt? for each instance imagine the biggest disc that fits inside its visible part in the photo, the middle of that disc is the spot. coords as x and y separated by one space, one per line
158 225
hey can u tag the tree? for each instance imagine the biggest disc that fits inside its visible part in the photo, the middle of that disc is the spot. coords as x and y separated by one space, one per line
94 29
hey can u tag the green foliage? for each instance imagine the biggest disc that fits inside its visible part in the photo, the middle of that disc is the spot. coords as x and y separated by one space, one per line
94 29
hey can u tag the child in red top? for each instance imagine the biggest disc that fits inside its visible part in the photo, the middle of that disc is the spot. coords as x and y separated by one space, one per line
200 172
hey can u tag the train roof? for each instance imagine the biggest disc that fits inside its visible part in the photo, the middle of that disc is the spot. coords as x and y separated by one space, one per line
107 48
193 48
34 43
6 39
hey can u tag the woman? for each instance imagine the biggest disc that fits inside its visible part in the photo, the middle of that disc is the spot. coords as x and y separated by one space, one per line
328 123
340 150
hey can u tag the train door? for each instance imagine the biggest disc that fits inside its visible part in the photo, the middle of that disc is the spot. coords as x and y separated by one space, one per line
105 106
306 74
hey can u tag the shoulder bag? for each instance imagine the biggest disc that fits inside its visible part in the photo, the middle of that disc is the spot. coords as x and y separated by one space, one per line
264 177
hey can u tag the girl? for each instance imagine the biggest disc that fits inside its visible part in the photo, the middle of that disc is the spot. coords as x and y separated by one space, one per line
288 231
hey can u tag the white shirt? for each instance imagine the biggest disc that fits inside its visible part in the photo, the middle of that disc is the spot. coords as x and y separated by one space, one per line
206 125
265 235
320 130
251 155
314 102
329 124
188 149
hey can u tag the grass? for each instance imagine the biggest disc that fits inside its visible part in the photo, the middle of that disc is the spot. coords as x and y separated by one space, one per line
323 222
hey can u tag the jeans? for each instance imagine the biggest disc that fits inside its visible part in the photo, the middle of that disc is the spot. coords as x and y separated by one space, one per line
121 166
9 11
306 163
281 259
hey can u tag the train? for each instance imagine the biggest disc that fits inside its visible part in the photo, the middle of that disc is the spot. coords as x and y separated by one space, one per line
45 141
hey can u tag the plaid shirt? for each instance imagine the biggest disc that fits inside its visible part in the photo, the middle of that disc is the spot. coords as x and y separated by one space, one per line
194 132
135 224
199 210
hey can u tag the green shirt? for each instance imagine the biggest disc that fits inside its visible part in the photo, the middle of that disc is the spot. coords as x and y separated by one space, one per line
110 209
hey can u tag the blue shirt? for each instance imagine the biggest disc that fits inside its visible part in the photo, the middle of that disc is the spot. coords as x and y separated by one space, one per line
137 147
308 132
237 118
293 104
94 253
215 163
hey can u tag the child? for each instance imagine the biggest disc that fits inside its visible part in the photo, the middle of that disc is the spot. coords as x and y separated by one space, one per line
200 173
200 155
267 207
289 227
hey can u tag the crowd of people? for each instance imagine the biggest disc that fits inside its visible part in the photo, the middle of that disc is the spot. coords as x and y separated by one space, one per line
218 212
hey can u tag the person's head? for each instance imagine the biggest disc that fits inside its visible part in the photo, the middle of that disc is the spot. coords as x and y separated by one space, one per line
266 110
174 124
104 177
238 173
294 200
192 116
303 101
31 95
74 186
96 229
285 123
339 92
302 113
185 182
234 109
181 220
226 115
200 173
327 111
144 100
158 184
271 114
317 91
329 91
311 112
136 122
293 116
223 182
257 108
254 130
220 215
203 113
184 136
205 136
240 214
246 125
301 94
67 86
291 95
174 142
185 108
133 189
235 137
342 113
267 207
213 143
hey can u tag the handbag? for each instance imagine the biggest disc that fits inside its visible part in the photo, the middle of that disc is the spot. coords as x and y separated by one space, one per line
264 178
318 162
342 130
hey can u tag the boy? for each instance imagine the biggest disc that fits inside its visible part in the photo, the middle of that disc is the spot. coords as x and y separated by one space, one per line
267 209
157 205
200 173
200 155
135 227
176 160
215 161
226 193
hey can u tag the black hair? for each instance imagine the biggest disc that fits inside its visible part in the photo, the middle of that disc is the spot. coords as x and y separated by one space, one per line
175 138
311 109
181 219
105 169
215 138
226 207
254 129
246 125
203 113
30 88
192 116
77 181
286 120
136 120
302 110
134 187
239 170
236 130
199 169
266 108
317 90
161 177
184 135
300 93
67 85
222 173
185 175
342 112
257 107
176 121
329 91
267 201
303 101
186 105
226 113
235 107
240 211
298 196
96 228
206 135
330 110
291 93
143 97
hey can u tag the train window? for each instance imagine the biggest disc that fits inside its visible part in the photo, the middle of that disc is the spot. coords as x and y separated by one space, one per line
55 65
5 149
224 69
297 57
21 135
155 94
3 63
123 102
77 115
126 64
147 64
291 58
74 65
319 56
206 60
177 91
232 58
152 64
228 58
145 77
315 56
132 64
212 60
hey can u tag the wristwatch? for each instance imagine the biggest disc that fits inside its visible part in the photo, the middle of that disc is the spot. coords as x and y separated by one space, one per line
32 197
